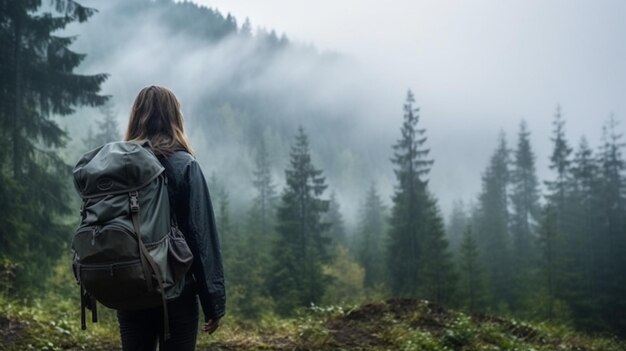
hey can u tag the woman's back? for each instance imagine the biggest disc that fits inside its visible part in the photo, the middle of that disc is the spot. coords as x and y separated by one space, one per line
156 116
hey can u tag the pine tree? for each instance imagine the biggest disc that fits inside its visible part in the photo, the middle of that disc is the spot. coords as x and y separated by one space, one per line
298 279
492 217
32 97
108 129
254 264
243 262
548 257
472 281
246 28
370 238
437 268
265 200
222 217
37 81
611 255
417 259
225 227
525 210
563 268
524 197
560 163
580 289
409 202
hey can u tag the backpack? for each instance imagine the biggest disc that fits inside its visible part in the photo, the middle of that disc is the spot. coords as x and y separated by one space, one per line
127 250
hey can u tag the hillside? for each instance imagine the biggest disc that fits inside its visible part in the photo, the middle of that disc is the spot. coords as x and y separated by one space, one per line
239 85
401 324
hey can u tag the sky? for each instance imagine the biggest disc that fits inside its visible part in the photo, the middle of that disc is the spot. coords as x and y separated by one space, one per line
476 67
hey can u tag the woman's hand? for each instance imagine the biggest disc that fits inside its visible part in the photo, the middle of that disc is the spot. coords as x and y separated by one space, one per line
211 325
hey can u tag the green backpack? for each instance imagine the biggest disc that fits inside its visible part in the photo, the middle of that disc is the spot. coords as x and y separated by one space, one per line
128 251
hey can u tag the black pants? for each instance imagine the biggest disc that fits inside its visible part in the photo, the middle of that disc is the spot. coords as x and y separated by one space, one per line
140 330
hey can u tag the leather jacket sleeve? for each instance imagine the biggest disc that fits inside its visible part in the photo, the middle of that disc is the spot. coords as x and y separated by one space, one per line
197 222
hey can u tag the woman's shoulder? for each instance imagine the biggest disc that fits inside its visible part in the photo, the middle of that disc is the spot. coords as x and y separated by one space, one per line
181 156
178 162
184 164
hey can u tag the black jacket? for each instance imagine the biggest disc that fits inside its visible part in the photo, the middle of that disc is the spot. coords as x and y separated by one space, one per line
190 199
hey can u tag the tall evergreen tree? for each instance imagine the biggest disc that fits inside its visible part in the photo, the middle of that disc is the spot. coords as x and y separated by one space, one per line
525 210
611 257
298 279
409 204
108 129
370 238
37 81
225 227
549 259
243 254
417 259
560 234
241 259
581 282
265 200
472 281
222 216
560 163
437 269
246 28
32 97
524 197
253 256
492 223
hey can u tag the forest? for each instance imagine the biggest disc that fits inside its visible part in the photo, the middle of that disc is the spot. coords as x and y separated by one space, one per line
314 212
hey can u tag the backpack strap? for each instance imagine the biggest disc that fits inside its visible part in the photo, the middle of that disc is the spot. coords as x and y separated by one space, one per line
83 305
147 261
86 302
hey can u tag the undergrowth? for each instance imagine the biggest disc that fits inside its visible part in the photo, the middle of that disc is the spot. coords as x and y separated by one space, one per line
53 324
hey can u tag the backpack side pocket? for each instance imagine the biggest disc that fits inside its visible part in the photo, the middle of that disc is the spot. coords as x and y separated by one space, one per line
179 259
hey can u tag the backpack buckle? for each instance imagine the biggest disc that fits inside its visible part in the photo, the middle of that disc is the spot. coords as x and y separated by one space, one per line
134 201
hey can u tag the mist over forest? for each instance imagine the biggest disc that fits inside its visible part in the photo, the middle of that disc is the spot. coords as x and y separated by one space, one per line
239 85
234 82
526 221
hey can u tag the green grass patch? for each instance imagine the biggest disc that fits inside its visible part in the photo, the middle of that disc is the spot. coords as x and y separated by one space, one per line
411 325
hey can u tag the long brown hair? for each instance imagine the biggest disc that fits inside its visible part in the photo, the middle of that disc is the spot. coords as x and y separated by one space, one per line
156 116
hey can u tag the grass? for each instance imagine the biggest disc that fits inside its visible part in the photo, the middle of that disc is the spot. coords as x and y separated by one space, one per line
410 325
52 325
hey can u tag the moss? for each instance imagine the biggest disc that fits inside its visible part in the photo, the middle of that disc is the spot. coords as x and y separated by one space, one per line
54 324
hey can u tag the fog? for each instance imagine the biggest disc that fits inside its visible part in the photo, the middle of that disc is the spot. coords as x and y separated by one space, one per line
475 68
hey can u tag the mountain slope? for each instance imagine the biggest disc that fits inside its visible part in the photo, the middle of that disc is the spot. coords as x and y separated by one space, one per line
239 86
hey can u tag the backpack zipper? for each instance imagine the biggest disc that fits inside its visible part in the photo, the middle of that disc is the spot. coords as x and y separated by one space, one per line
110 266
97 229
120 228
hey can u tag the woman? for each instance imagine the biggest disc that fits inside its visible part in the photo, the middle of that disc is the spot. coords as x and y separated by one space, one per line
156 116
